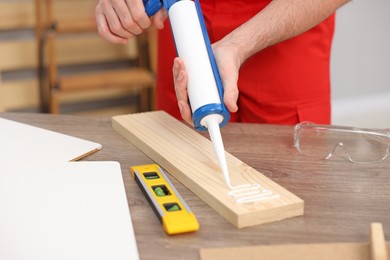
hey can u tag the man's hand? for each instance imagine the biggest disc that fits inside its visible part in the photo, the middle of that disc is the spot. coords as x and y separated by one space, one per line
228 66
119 20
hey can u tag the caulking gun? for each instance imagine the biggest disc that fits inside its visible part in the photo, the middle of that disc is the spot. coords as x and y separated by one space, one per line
205 89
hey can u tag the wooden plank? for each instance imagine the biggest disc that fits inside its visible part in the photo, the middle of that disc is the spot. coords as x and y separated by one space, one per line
68 14
84 49
23 94
77 25
330 251
75 16
152 41
190 158
71 15
90 48
94 94
136 77
16 15
108 112
65 9
18 54
19 94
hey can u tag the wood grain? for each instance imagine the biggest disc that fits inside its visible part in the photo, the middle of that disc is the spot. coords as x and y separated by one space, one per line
190 158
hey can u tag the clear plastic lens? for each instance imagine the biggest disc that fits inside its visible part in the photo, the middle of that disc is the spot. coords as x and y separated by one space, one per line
357 145
316 143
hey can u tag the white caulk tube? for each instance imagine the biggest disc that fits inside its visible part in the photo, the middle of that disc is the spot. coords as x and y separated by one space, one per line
204 84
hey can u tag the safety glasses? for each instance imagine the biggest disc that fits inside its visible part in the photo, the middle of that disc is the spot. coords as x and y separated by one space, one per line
358 145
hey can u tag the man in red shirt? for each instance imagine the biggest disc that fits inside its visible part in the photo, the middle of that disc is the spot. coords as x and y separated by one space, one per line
273 56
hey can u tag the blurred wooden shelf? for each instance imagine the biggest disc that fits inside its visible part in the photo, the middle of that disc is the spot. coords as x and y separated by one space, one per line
68 37
73 63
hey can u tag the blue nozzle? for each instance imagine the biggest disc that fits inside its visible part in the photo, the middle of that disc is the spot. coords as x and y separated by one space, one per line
209 109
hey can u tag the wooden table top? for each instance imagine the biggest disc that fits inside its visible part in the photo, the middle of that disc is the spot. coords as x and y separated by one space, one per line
341 198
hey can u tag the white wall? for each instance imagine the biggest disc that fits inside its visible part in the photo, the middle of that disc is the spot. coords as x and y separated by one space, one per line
360 65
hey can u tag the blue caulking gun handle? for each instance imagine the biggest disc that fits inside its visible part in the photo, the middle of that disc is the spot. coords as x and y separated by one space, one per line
152 7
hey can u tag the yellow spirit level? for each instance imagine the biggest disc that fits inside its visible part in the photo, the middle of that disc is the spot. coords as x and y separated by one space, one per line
174 214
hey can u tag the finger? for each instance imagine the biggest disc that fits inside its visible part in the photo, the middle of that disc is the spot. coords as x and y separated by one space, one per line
228 69
159 18
230 96
177 65
230 88
113 21
185 112
181 80
125 25
105 32
137 10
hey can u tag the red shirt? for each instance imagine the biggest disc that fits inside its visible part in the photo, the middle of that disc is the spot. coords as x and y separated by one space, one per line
283 84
